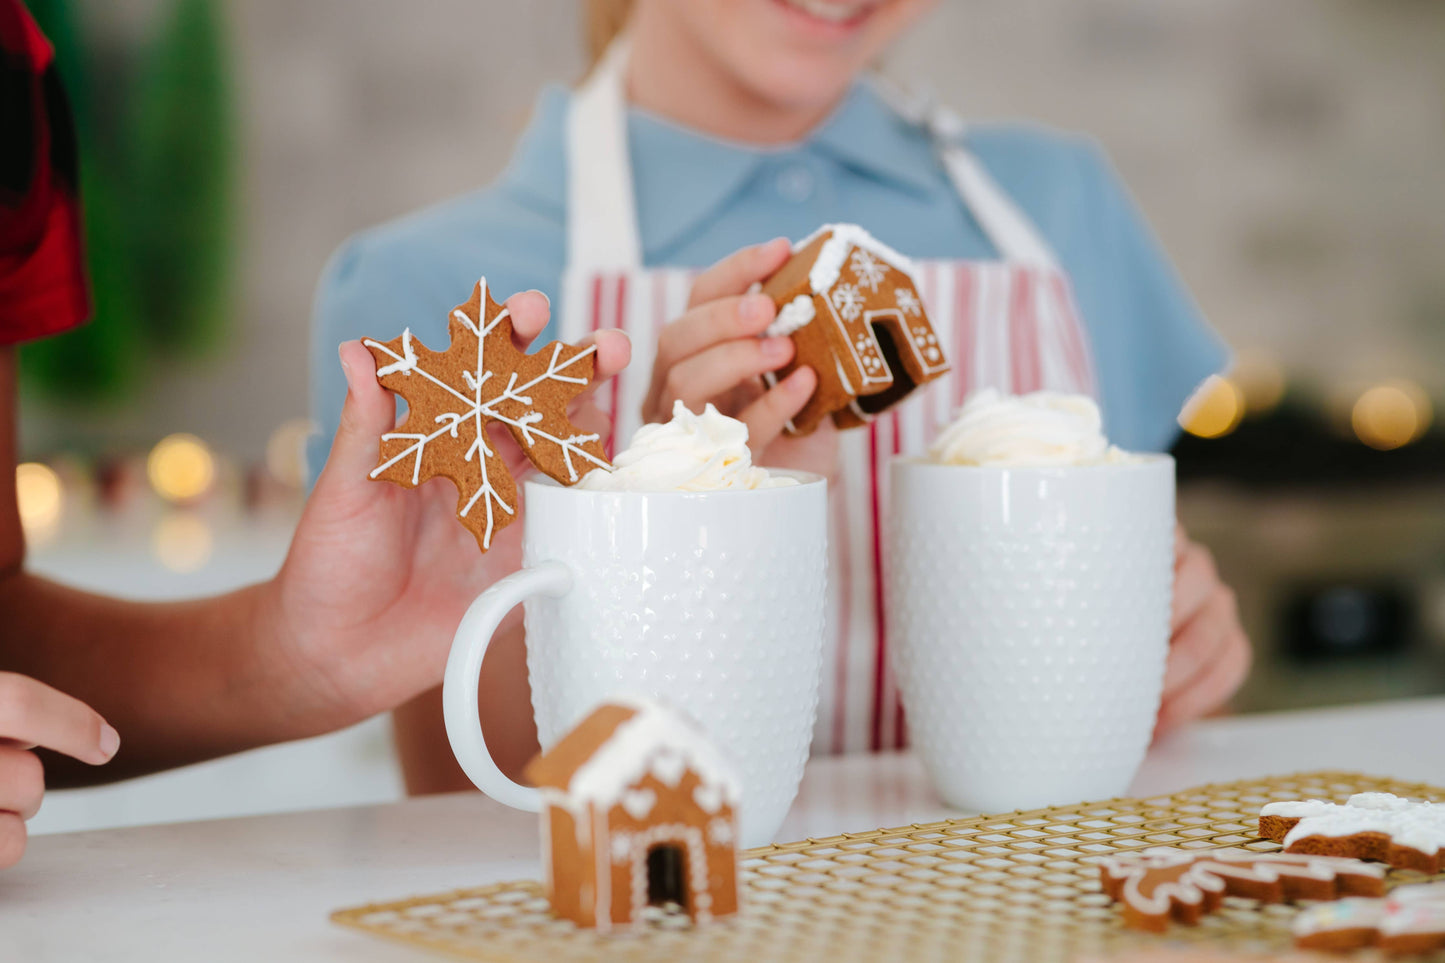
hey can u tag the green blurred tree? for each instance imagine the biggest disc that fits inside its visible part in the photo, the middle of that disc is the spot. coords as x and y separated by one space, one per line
157 187
181 166
100 360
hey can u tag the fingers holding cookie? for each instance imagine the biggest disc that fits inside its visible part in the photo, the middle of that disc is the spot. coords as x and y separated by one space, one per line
614 352
530 312
715 349
711 374
714 322
769 415
738 271
710 351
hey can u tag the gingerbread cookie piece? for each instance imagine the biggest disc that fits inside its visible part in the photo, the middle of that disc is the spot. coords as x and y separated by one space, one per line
856 318
1371 825
1161 884
639 809
452 396
1410 920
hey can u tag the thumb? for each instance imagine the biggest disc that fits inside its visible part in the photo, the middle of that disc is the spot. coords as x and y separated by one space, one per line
368 412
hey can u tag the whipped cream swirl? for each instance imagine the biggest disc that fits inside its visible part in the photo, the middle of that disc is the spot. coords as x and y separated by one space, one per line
1036 430
690 453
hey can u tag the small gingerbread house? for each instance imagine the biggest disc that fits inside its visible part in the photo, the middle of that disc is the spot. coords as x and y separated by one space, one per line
850 304
639 809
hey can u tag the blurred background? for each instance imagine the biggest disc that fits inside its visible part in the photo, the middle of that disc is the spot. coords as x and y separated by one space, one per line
1289 154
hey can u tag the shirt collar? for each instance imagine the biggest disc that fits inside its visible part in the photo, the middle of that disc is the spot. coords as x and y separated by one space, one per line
867 134
683 176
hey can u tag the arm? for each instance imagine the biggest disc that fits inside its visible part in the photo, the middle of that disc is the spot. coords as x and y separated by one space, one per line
182 679
358 620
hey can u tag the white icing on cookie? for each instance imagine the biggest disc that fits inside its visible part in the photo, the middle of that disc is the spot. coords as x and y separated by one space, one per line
794 316
1209 871
1416 825
632 750
834 253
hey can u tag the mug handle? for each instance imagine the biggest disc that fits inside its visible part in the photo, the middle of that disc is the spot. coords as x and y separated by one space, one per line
464 666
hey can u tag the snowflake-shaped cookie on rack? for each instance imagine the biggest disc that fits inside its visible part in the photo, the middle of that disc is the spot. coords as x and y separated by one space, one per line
452 396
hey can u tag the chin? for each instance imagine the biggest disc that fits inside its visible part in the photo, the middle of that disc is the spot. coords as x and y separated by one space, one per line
799 82
807 52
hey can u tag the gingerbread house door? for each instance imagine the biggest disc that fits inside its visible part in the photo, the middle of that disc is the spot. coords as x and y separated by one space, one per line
894 342
669 866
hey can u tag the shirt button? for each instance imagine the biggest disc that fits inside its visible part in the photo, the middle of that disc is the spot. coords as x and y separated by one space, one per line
796 184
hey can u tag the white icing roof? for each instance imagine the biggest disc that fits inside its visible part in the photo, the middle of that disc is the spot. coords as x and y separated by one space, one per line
829 263
655 739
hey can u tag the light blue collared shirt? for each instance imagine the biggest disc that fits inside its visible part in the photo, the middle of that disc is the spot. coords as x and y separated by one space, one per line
700 199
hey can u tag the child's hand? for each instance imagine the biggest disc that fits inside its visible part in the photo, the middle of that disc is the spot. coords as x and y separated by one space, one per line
1209 653
361 616
33 714
713 354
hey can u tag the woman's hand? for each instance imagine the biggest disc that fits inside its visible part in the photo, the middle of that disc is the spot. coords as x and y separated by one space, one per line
33 714
361 616
713 353
1209 654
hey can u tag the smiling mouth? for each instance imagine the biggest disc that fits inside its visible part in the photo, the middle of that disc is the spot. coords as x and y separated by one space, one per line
835 12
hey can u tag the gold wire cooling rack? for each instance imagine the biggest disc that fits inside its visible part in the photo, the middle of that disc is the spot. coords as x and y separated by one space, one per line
1020 886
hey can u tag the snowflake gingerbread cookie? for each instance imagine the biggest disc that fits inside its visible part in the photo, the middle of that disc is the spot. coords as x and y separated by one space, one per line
1161 883
1410 920
1371 825
856 318
483 378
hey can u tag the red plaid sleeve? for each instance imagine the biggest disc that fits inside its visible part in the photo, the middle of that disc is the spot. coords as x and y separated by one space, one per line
42 267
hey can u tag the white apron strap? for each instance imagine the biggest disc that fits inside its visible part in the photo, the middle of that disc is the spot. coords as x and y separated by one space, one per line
602 232
1006 226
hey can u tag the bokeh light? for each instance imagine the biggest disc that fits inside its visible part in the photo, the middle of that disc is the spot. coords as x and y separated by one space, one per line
1391 415
181 541
181 468
40 497
1215 410
285 452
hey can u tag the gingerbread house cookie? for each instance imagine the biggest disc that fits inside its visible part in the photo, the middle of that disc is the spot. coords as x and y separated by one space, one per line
850 305
1371 825
639 809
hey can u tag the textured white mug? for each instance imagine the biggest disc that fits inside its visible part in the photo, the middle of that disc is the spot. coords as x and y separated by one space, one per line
1028 617
709 601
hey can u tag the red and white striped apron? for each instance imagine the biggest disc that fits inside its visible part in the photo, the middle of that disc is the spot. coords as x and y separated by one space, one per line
1008 324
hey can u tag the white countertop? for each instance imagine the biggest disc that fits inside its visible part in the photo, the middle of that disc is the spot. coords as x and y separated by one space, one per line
262 888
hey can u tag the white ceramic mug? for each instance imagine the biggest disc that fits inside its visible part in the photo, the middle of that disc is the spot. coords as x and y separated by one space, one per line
1028 617
709 601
